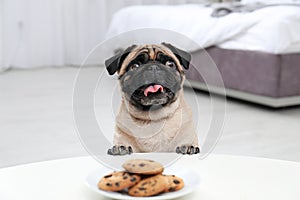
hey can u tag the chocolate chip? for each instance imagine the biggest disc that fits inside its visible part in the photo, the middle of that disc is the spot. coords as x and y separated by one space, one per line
108 184
125 177
142 188
142 164
117 184
172 189
154 183
145 183
107 176
133 179
176 181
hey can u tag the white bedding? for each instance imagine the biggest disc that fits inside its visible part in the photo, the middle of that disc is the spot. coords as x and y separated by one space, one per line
272 29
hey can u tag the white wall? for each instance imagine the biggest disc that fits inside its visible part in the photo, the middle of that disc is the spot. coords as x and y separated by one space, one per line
35 33
49 32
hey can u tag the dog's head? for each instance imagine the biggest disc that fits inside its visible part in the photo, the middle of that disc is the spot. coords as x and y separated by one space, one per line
150 76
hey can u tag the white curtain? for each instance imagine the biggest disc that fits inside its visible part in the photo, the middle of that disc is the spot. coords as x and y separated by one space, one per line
37 33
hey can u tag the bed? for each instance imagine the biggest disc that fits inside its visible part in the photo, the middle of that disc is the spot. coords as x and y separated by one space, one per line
255 47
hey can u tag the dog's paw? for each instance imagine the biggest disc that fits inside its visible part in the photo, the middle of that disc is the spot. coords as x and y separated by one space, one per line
187 149
119 150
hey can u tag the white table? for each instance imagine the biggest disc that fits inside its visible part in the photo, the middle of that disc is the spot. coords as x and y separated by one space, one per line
223 177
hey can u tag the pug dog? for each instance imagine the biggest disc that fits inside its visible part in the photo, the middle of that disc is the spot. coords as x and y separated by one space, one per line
153 116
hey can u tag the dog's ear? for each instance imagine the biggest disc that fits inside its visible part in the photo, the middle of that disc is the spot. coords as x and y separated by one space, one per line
114 63
183 56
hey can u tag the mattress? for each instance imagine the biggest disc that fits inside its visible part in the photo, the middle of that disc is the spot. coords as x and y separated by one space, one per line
271 29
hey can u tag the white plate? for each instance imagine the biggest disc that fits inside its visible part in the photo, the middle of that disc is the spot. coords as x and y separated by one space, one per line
191 180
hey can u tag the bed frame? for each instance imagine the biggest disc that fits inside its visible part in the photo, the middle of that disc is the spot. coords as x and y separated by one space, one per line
264 78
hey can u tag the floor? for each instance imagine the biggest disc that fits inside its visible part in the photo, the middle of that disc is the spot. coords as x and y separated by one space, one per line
36 120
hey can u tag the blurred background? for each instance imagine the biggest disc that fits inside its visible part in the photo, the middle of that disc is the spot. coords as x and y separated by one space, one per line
56 33
255 45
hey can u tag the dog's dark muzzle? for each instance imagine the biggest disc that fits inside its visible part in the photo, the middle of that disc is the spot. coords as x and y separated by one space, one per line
151 74
151 84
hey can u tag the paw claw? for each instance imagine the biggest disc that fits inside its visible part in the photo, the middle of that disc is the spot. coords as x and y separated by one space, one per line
130 151
109 152
197 150
119 150
187 149
178 150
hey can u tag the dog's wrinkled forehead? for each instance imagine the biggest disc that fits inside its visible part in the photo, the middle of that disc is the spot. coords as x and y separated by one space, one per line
152 50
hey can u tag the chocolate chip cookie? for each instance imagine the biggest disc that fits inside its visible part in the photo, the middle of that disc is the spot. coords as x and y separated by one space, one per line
149 186
142 166
118 181
174 183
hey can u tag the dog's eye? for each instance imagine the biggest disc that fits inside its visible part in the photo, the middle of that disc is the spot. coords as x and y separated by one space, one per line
170 64
134 65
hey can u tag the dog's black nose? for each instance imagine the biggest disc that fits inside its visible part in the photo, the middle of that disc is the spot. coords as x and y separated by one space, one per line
153 68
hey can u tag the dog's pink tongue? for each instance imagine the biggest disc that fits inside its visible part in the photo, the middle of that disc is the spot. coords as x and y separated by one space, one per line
153 89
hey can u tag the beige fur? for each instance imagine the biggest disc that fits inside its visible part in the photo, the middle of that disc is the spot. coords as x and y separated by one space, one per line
170 127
